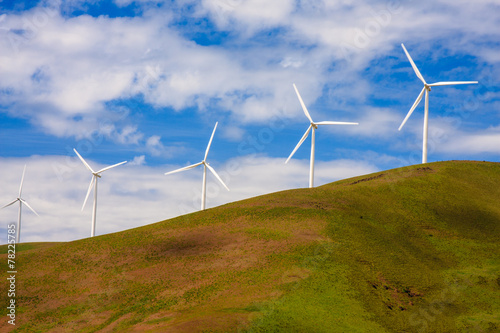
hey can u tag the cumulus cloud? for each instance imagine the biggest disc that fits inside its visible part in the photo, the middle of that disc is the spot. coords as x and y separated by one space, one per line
252 14
129 135
138 160
154 145
460 141
74 66
377 123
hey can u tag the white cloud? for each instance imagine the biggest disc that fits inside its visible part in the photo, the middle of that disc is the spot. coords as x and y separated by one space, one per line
479 142
233 133
252 14
138 160
130 135
376 122
154 145
72 66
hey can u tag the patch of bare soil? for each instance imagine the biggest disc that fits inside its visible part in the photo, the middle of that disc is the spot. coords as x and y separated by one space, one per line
203 270
395 298
367 179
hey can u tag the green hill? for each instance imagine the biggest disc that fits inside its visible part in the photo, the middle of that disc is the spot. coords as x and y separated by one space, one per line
415 249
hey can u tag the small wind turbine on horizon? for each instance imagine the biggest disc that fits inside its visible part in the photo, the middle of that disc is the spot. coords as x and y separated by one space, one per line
312 126
205 166
427 88
21 202
93 181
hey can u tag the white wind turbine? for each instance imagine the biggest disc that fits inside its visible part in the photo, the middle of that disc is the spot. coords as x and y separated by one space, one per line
21 202
312 126
426 89
205 166
93 181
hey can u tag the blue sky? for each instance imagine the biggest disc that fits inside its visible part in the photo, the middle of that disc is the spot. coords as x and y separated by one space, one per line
145 81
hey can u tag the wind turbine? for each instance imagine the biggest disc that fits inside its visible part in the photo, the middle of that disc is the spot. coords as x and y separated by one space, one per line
205 166
93 181
427 88
21 202
312 126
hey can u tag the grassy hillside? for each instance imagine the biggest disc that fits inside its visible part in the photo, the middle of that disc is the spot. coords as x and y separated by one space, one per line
415 249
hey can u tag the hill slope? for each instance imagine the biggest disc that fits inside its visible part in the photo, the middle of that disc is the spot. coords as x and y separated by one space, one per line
415 249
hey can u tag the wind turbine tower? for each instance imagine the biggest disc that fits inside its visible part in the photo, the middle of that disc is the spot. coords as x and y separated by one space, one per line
313 126
205 166
21 202
93 181
426 89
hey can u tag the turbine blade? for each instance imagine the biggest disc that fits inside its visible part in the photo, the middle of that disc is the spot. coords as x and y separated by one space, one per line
417 101
10 204
210 142
83 161
452 83
216 175
300 142
302 104
112 166
183 169
413 65
88 191
27 205
22 181
335 123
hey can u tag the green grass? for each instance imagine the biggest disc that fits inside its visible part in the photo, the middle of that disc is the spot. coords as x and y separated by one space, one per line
265 234
414 249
